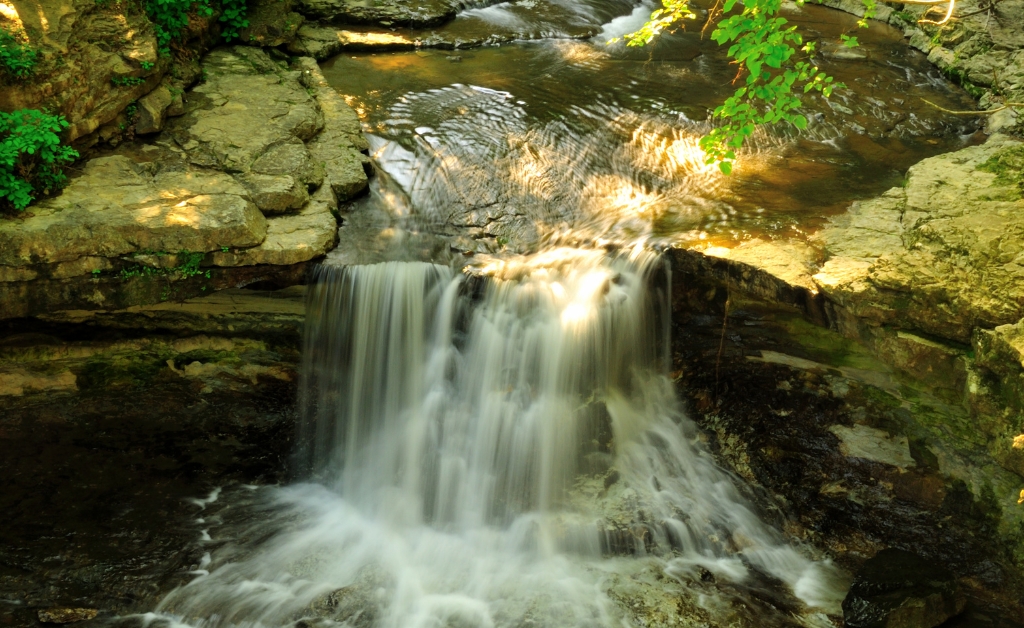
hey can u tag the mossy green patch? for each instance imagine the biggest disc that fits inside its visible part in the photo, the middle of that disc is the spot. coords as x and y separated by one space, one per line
1008 166
828 346
121 371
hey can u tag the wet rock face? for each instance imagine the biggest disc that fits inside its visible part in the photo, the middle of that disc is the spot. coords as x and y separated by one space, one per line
898 589
847 452
99 473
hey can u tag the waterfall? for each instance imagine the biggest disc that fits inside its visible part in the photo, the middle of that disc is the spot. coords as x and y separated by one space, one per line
480 445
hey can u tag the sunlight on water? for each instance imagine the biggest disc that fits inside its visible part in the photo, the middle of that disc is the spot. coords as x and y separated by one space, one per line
505 447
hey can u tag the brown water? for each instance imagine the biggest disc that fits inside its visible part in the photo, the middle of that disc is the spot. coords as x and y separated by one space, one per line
508 146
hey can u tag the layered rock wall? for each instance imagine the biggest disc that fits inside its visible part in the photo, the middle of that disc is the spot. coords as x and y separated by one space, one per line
242 188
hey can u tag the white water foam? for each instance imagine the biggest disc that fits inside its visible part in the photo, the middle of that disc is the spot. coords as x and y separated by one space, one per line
457 428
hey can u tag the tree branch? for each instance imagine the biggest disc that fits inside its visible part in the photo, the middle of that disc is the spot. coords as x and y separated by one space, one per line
1009 105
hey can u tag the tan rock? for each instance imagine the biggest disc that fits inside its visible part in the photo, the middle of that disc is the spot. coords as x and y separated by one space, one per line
80 266
116 207
275 194
74 75
339 147
941 256
17 382
66 615
152 110
293 238
252 105
13 273
322 42
861 441
792 262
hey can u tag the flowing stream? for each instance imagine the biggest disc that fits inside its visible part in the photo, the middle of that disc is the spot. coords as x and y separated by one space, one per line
505 447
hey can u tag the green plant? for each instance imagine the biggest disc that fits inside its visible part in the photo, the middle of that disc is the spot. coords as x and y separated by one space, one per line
32 158
146 65
233 16
170 17
126 81
188 267
16 58
778 65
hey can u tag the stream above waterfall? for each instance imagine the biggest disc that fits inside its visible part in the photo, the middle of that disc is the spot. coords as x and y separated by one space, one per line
522 145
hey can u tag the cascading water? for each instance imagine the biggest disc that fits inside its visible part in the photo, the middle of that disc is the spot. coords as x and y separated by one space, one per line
505 448
481 444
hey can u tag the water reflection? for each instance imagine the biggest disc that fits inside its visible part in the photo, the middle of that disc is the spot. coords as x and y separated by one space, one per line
576 141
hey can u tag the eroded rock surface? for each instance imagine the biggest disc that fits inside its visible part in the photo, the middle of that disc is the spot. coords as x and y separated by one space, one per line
245 182
418 13
119 206
900 589
943 255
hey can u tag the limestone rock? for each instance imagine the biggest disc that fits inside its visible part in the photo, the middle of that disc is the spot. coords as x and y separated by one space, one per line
66 615
339 147
152 110
275 194
415 13
117 207
861 441
16 382
247 105
323 42
290 158
77 61
292 238
898 589
235 310
941 256
792 262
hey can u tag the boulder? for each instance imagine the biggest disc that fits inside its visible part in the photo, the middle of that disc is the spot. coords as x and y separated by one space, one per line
117 206
942 255
899 589
339 148
415 13
251 116
291 239
275 194
152 110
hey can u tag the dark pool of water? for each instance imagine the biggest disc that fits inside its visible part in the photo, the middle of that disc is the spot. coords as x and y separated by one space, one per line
518 143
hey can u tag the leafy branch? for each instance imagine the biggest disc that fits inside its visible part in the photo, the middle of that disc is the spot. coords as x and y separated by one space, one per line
779 68
32 158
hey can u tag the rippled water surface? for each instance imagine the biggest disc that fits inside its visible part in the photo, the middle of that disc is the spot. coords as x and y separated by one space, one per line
577 140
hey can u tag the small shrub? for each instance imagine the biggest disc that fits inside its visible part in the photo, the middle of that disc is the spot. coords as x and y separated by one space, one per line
233 16
32 158
16 58
170 18
127 81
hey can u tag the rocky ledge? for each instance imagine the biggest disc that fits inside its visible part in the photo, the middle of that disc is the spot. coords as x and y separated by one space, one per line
243 187
889 352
